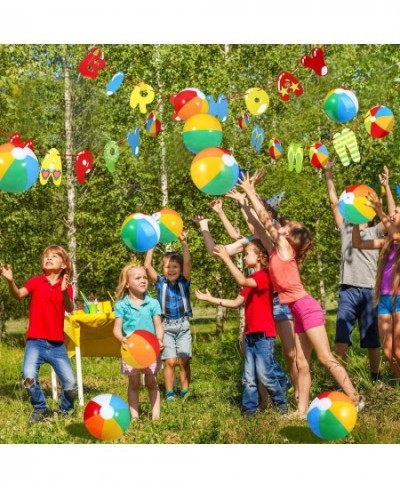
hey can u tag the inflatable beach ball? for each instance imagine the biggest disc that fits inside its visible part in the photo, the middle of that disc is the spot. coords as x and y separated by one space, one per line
214 171
106 417
244 121
340 105
275 148
19 168
188 102
319 155
202 131
140 232
332 415
171 224
379 121
142 349
352 204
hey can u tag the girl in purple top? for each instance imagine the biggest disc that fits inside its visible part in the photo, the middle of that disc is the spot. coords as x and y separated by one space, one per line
387 284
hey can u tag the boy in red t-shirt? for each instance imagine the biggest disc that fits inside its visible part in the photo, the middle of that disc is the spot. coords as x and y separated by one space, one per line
259 333
51 295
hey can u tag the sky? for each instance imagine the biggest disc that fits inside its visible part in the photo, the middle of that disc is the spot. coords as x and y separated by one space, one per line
208 21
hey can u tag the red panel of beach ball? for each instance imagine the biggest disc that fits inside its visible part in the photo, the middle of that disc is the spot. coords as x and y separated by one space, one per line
106 417
188 102
379 121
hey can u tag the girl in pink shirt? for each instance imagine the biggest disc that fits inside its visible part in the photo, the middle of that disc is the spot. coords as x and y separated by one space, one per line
287 248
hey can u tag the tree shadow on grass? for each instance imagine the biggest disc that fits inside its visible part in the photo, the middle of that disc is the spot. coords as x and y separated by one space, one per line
79 430
298 434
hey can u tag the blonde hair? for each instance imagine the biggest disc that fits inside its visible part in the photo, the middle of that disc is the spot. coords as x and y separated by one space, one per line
60 251
122 290
299 237
260 251
395 273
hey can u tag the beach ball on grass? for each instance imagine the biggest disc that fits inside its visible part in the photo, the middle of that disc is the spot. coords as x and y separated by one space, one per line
188 102
171 224
140 232
106 417
379 121
19 168
214 171
142 349
201 131
352 204
332 415
275 148
340 105
319 155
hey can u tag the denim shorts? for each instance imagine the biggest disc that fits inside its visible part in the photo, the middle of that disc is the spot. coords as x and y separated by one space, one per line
177 338
357 303
281 312
385 305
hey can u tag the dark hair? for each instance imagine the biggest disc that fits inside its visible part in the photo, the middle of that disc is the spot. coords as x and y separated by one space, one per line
174 257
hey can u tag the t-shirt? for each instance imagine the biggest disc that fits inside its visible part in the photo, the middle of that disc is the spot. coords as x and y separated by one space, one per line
285 278
135 318
358 266
174 298
258 305
46 309
386 288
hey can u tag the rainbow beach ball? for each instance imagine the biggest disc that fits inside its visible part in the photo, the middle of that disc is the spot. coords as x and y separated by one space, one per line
202 131
140 232
106 417
214 171
171 224
379 121
142 349
319 155
340 105
19 168
332 415
275 148
352 204
188 102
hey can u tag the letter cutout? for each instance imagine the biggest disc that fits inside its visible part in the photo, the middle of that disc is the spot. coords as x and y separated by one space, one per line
92 63
142 95
219 108
288 83
111 155
15 139
257 137
51 166
315 62
257 101
346 140
83 165
295 157
133 141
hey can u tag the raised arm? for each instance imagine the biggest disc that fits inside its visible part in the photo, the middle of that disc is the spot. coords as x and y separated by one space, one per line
242 200
15 292
223 302
187 260
358 243
151 272
332 194
216 205
376 204
239 277
384 181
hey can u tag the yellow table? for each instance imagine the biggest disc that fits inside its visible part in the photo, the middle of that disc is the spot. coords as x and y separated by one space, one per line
89 335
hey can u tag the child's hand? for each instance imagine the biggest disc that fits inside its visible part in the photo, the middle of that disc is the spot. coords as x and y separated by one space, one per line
237 195
183 235
384 177
374 202
220 252
65 282
6 271
206 296
247 183
330 165
161 344
123 343
216 205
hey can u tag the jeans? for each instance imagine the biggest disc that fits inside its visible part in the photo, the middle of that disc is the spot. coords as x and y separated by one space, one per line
260 367
38 352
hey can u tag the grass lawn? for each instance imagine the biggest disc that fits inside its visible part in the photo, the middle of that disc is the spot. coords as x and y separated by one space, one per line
211 415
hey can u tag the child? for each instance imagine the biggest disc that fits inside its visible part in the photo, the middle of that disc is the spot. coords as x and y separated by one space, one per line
51 296
287 249
387 284
135 309
259 333
173 293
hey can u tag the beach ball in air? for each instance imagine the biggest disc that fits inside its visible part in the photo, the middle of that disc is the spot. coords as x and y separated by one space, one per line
379 121
332 415
352 204
214 171
171 224
140 232
202 131
106 417
19 168
142 349
275 148
188 102
319 155
340 105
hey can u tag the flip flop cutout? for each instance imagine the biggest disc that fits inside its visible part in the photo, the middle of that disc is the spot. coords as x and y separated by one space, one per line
345 144
51 167
299 153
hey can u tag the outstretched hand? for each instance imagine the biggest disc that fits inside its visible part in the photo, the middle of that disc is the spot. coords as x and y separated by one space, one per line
373 201
64 282
237 195
220 252
183 235
206 296
6 271
216 205
330 164
384 176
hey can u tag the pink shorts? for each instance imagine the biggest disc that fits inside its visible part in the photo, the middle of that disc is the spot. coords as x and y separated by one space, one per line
307 314
130 371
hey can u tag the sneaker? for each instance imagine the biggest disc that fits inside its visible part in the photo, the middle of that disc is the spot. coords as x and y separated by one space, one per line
361 404
39 415
170 397
63 413
184 394
249 413
282 408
